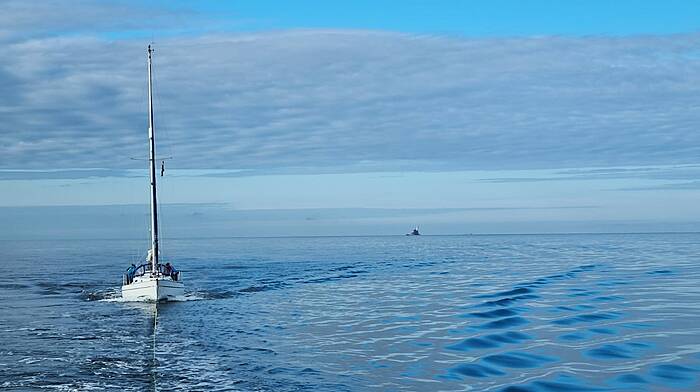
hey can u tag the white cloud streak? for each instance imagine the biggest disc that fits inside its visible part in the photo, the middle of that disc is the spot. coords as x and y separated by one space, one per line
314 101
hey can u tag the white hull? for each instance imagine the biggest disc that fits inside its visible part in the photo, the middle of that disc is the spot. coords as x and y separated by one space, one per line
152 289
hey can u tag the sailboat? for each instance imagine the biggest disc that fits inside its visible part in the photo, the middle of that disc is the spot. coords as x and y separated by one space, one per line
414 231
152 281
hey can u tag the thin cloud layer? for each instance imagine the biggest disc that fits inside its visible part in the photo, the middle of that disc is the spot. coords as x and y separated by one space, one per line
313 101
672 173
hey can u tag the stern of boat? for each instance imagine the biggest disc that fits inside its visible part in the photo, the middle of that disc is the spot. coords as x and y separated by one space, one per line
160 288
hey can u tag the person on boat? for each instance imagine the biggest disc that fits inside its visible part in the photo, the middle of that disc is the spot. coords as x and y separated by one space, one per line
173 272
149 260
168 269
130 272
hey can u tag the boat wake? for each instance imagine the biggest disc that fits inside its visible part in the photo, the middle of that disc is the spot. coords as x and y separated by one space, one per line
115 296
101 295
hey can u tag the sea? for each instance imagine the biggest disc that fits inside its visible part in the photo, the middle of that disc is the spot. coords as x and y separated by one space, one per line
511 313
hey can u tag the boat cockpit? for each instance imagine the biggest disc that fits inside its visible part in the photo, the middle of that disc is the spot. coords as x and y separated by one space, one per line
163 270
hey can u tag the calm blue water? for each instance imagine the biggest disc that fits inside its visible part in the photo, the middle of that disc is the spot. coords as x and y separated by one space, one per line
483 313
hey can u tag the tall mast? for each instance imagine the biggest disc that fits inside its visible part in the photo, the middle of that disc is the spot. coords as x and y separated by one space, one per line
152 162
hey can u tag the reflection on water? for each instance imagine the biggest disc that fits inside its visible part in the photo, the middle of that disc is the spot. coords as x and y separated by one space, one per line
500 313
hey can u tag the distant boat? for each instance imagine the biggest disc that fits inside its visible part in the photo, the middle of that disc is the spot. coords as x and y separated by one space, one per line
414 232
152 281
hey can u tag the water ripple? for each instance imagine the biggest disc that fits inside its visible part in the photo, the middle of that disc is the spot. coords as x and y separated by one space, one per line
481 313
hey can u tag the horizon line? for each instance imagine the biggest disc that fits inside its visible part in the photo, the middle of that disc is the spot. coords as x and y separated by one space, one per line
361 236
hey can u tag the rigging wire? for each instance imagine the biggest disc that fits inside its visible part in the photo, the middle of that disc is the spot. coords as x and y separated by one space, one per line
162 126
159 182
164 130
141 212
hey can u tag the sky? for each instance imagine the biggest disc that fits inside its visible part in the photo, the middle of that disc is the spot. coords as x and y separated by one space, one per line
363 117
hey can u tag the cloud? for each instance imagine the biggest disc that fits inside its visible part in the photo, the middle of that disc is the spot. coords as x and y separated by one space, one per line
668 172
676 186
315 101
65 174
